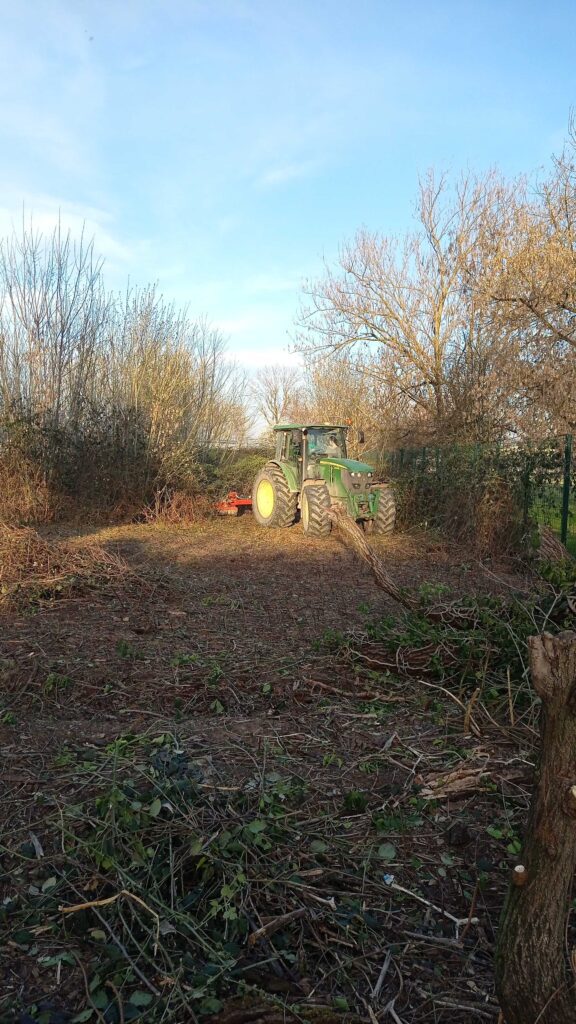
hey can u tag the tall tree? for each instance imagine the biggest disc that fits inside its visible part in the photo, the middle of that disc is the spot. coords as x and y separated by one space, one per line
525 271
409 298
277 391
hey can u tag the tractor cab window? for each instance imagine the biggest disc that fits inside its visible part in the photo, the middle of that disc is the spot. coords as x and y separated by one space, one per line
296 444
288 445
326 442
282 444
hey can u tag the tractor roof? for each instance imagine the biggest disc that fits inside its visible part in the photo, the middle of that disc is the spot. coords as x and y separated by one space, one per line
311 426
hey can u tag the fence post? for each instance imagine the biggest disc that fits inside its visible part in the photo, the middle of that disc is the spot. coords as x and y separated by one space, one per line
566 488
526 490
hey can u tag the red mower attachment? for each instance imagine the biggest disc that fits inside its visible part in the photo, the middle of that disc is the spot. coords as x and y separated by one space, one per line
231 504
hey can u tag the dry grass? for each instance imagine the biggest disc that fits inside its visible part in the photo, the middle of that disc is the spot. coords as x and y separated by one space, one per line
32 568
550 548
498 525
25 495
177 508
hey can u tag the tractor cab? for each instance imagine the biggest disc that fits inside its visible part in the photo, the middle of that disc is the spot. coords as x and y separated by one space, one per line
310 472
306 446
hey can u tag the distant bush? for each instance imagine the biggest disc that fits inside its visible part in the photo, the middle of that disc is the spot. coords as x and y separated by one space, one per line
238 472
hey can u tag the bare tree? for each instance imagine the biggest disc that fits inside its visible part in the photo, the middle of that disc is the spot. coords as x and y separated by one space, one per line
341 388
532 256
105 392
277 391
524 273
407 297
53 320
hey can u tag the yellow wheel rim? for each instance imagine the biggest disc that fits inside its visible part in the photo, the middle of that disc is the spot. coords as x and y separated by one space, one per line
265 499
305 513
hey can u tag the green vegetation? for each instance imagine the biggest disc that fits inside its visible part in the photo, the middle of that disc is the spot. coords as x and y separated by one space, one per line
153 880
490 496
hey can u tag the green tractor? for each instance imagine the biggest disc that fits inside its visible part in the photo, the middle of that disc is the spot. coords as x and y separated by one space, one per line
310 472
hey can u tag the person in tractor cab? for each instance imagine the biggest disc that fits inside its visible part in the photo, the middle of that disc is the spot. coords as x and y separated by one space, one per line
320 443
332 447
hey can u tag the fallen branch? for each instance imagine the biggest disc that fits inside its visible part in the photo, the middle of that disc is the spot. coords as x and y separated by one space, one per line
365 551
355 694
457 921
273 925
460 782
112 899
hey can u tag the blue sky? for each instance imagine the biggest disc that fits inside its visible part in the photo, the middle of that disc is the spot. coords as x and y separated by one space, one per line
224 148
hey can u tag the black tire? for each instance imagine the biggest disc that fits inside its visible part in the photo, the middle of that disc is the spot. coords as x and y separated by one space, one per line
315 504
385 517
284 501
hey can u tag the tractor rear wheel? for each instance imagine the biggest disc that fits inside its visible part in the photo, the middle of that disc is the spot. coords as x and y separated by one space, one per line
273 503
314 507
386 515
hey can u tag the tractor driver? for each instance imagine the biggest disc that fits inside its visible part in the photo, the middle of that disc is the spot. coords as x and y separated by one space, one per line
332 447
320 443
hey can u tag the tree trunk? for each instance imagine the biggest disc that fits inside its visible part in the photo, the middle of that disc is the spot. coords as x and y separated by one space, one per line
534 979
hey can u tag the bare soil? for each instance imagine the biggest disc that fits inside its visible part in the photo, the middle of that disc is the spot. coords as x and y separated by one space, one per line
222 636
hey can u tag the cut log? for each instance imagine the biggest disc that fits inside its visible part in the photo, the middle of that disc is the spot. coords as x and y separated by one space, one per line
534 979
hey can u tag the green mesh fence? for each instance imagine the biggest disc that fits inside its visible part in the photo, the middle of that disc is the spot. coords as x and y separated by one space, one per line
444 486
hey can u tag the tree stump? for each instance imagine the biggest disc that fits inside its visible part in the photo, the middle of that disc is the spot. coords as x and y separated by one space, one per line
535 980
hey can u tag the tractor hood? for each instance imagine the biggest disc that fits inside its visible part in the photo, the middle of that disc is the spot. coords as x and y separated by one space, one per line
350 464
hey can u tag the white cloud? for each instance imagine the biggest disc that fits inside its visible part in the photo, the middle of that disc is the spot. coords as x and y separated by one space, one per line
43 213
287 173
52 93
267 321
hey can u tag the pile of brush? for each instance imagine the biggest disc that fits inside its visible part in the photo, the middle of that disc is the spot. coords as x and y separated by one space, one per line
34 570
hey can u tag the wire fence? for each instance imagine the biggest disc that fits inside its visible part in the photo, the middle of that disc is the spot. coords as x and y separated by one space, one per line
459 487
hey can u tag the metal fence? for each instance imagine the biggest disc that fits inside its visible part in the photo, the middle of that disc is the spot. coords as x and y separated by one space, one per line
540 476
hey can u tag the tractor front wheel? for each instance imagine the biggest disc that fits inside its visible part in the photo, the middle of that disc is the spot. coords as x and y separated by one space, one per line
314 506
386 515
273 503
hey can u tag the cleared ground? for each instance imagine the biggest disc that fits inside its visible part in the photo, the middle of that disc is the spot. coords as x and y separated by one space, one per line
338 839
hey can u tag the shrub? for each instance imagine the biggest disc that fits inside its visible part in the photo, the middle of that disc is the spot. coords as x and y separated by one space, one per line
483 495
